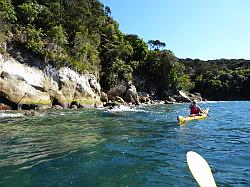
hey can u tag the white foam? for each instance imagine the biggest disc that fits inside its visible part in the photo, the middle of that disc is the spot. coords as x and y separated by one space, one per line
122 108
4 115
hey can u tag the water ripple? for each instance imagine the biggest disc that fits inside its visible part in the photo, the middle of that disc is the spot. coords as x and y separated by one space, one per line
143 146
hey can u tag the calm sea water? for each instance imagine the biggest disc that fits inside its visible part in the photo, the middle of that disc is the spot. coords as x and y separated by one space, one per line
143 146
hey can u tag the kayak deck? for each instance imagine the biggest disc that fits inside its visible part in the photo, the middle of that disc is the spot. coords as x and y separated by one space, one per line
184 120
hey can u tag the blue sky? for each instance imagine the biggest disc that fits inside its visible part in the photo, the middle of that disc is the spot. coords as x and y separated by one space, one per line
204 29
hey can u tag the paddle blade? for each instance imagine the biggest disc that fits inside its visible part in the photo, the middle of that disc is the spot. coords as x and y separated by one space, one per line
200 170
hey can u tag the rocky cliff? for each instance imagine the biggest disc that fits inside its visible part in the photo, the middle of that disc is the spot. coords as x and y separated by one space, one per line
26 87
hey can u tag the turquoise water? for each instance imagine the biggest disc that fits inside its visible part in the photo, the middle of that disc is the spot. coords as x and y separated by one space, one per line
143 146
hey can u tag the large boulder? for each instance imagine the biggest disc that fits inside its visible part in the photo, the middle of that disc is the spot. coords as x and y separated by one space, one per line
104 97
116 91
22 84
131 94
21 93
143 97
128 93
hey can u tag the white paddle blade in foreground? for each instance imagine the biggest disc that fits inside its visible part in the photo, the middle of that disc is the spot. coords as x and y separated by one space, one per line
200 170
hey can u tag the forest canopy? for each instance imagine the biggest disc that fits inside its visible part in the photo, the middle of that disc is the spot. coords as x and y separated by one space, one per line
82 35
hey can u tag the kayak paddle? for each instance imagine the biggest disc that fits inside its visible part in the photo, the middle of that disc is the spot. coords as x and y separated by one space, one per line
200 169
205 113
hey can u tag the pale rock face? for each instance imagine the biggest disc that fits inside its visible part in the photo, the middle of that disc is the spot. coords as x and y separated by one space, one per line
13 69
74 85
22 84
21 93
51 78
66 74
83 88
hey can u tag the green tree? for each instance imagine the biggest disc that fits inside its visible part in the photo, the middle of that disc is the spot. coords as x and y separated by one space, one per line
160 70
140 48
156 44
7 18
107 11
113 48
29 11
34 39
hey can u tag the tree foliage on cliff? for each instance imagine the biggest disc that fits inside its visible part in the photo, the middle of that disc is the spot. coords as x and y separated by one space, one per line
66 33
78 33
81 34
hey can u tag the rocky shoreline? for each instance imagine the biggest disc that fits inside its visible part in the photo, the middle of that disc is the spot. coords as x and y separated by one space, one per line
25 87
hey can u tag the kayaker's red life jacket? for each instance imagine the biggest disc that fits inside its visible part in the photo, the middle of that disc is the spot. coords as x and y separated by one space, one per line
194 109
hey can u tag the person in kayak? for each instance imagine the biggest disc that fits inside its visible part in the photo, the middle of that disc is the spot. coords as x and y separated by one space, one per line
195 110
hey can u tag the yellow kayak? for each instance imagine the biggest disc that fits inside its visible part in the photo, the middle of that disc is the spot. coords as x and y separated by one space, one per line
183 120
